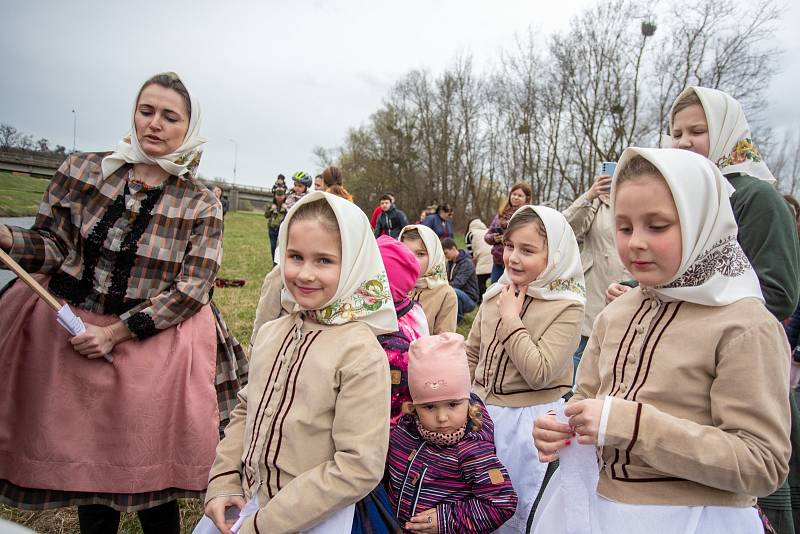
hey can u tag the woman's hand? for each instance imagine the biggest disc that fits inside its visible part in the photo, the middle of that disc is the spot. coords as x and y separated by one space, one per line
584 418
5 238
98 341
498 238
215 510
601 186
550 436
614 291
509 303
426 522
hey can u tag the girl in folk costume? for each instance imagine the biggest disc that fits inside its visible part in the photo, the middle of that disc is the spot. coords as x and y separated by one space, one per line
712 123
684 384
402 270
132 242
432 290
521 343
310 433
443 473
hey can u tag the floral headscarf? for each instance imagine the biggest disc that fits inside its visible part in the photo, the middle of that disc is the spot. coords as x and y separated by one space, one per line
363 291
731 144
562 279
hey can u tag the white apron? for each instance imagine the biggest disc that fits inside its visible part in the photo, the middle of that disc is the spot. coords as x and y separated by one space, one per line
515 449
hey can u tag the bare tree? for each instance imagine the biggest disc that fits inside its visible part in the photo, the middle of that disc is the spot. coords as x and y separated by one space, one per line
9 136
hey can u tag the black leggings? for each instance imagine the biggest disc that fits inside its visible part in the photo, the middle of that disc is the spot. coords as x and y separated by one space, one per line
100 519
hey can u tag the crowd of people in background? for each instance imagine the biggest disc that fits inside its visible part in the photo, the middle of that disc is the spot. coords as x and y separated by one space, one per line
643 321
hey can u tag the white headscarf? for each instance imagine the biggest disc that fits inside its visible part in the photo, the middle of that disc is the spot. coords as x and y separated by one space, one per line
714 270
731 144
436 275
562 279
363 291
184 160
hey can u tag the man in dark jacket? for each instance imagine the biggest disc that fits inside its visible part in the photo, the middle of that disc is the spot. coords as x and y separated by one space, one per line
462 277
441 221
391 220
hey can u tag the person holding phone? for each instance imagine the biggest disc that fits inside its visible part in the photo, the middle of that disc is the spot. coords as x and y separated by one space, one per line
592 221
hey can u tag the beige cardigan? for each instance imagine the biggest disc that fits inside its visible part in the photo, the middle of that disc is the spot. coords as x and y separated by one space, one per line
529 360
593 224
311 430
440 305
699 414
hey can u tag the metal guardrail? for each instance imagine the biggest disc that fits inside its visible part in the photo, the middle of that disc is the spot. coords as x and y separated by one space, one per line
240 197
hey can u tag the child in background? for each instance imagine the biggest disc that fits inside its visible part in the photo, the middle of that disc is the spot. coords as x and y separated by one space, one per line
275 214
521 343
684 383
444 475
302 184
310 433
432 290
462 278
402 269
280 183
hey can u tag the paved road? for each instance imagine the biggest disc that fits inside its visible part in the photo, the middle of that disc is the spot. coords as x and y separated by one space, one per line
25 222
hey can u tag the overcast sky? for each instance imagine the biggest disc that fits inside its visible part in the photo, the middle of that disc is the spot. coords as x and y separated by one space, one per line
277 77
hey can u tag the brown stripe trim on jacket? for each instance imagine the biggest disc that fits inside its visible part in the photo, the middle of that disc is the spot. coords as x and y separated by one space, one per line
487 364
521 328
653 349
313 337
265 400
226 473
272 425
622 343
654 324
633 438
505 358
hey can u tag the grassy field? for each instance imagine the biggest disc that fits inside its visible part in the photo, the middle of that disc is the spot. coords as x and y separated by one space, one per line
20 195
247 257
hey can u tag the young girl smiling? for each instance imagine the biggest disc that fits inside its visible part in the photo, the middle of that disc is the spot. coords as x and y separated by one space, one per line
521 343
684 385
310 434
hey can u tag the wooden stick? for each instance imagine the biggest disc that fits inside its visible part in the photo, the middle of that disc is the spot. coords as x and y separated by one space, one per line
30 281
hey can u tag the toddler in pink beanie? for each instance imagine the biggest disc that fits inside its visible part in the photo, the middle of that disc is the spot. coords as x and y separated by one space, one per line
442 467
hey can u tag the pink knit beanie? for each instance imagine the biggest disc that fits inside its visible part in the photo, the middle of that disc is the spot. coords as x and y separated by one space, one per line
402 268
438 369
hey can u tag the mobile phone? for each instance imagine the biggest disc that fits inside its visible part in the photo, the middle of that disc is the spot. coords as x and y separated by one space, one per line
608 168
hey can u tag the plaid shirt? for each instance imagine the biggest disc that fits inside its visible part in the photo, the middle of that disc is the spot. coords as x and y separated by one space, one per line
147 255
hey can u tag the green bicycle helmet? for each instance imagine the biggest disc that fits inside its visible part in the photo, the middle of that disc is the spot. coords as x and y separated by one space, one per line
302 178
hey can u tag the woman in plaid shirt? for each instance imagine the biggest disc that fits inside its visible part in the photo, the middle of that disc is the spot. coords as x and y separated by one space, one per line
133 243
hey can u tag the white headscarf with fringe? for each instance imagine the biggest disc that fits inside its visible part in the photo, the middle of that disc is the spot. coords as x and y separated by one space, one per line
185 159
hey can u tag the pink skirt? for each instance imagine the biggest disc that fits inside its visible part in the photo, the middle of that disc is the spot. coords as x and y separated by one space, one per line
147 422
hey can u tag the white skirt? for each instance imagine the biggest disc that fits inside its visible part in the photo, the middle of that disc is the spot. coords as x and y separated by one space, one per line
340 522
513 439
609 517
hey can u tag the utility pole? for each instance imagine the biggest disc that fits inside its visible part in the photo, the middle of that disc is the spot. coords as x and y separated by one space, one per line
235 158
74 128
